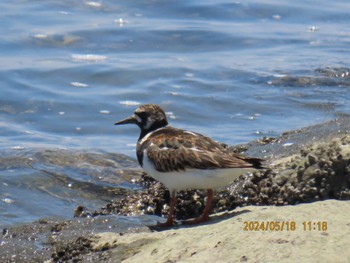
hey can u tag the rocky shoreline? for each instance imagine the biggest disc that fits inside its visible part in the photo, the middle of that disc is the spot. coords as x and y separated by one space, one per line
306 166
319 171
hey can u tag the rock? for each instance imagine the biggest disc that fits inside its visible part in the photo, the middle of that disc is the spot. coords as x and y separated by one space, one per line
228 237
312 159
319 171
282 177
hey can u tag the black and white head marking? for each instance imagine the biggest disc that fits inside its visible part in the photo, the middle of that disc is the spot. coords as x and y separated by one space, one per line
149 117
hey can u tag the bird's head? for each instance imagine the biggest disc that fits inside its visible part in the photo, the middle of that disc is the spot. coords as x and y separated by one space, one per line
148 117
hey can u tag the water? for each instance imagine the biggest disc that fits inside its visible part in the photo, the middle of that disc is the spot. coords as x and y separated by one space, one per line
234 71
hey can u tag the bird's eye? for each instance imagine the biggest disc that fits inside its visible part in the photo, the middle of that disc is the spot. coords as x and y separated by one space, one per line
142 115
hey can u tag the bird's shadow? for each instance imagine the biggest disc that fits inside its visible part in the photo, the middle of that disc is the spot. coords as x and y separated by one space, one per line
212 220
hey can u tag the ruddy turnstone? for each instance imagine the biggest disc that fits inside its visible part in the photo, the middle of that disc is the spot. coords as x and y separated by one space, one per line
183 159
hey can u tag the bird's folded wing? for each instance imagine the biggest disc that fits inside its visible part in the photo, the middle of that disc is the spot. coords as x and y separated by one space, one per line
181 158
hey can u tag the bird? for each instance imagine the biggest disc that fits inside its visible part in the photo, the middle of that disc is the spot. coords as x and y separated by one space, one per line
182 159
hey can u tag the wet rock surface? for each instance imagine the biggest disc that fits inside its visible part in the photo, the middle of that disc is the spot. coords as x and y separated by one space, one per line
307 165
328 76
60 240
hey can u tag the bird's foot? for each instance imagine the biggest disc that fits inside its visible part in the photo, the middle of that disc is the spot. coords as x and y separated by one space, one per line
168 223
197 220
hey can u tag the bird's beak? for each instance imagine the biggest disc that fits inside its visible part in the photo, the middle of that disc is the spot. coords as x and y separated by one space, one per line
128 120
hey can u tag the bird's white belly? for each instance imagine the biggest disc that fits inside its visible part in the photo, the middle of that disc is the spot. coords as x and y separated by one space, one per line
194 178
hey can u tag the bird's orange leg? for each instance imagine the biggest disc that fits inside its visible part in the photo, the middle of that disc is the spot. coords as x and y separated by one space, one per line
170 220
205 215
